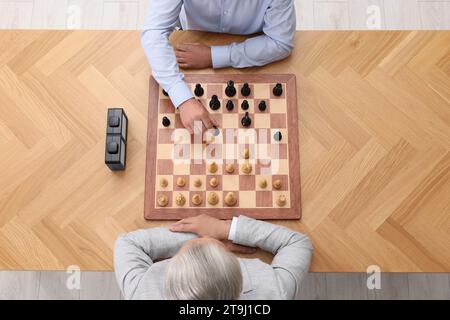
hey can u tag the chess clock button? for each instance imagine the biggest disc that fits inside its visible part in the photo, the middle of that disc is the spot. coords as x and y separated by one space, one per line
245 91
112 147
199 90
262 106
165 121
114 121
278 90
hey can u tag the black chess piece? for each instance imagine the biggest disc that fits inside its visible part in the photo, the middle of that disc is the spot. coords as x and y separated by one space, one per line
199 90
214 104
245 105
246 120
262 106
230 90
230 105
277 136
245 91
165 93
165 121
278 90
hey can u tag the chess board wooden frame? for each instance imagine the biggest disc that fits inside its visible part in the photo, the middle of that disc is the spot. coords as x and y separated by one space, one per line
153 212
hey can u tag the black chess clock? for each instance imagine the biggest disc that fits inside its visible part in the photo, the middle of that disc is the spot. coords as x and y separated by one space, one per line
116 139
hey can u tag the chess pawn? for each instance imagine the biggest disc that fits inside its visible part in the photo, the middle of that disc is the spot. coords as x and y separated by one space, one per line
180 200
281 201
196 199
277 90
197 183
262 106
230 105
230 199
246 153
165 121
245 91
214 104
229 168
247 168
277 184
213 198
245 105
230 90
212 167
213 182
263 184
163 200
199 90
246 120
163 183
181 182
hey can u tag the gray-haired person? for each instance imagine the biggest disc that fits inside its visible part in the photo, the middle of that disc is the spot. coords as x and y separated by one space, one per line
199 266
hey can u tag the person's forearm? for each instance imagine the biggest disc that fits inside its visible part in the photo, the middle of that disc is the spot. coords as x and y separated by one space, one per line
257 51
159 24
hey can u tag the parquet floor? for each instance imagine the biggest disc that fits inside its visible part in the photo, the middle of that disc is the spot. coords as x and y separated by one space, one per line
374 113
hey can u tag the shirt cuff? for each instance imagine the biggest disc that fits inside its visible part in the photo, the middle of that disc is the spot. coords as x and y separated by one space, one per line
179 93
220 56
233 228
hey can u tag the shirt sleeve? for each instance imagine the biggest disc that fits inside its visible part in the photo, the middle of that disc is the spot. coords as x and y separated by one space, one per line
275 44
232 233
161 20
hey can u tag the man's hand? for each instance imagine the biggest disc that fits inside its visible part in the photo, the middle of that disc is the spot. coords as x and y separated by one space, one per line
204 226
193 56
191 111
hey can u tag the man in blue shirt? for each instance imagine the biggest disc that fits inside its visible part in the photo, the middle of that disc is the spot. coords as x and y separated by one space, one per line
274 18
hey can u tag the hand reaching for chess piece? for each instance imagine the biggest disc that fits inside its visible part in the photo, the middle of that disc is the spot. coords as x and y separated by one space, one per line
193 56
208 227
192 111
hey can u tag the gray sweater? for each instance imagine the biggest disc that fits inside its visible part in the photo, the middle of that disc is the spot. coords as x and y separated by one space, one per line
139 277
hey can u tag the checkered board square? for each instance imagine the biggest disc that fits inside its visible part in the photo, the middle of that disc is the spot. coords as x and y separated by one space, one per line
174 155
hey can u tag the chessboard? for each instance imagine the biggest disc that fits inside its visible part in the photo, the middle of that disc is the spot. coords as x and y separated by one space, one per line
248 165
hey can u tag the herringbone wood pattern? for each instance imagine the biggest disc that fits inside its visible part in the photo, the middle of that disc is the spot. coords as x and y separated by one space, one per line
374 112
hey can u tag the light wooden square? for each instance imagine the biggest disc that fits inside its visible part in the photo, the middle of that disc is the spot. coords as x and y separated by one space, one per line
192 179
280 166
269 182
229 151
247 199
230 120
230 182
169 179
262 120
247 136
278 106
276 194
263 151
261 91
219 204
181 168
185 194
164 151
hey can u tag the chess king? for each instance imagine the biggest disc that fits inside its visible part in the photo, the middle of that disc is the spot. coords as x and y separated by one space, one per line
275 19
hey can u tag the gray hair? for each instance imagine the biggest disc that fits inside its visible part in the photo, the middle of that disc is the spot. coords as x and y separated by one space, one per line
203 271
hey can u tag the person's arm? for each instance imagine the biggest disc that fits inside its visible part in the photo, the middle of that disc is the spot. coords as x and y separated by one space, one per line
292 250
160 22
275 44
135 252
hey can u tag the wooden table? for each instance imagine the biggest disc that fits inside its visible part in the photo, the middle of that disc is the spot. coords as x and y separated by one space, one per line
374 146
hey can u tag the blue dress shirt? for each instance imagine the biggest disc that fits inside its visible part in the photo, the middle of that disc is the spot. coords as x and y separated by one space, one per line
275 18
